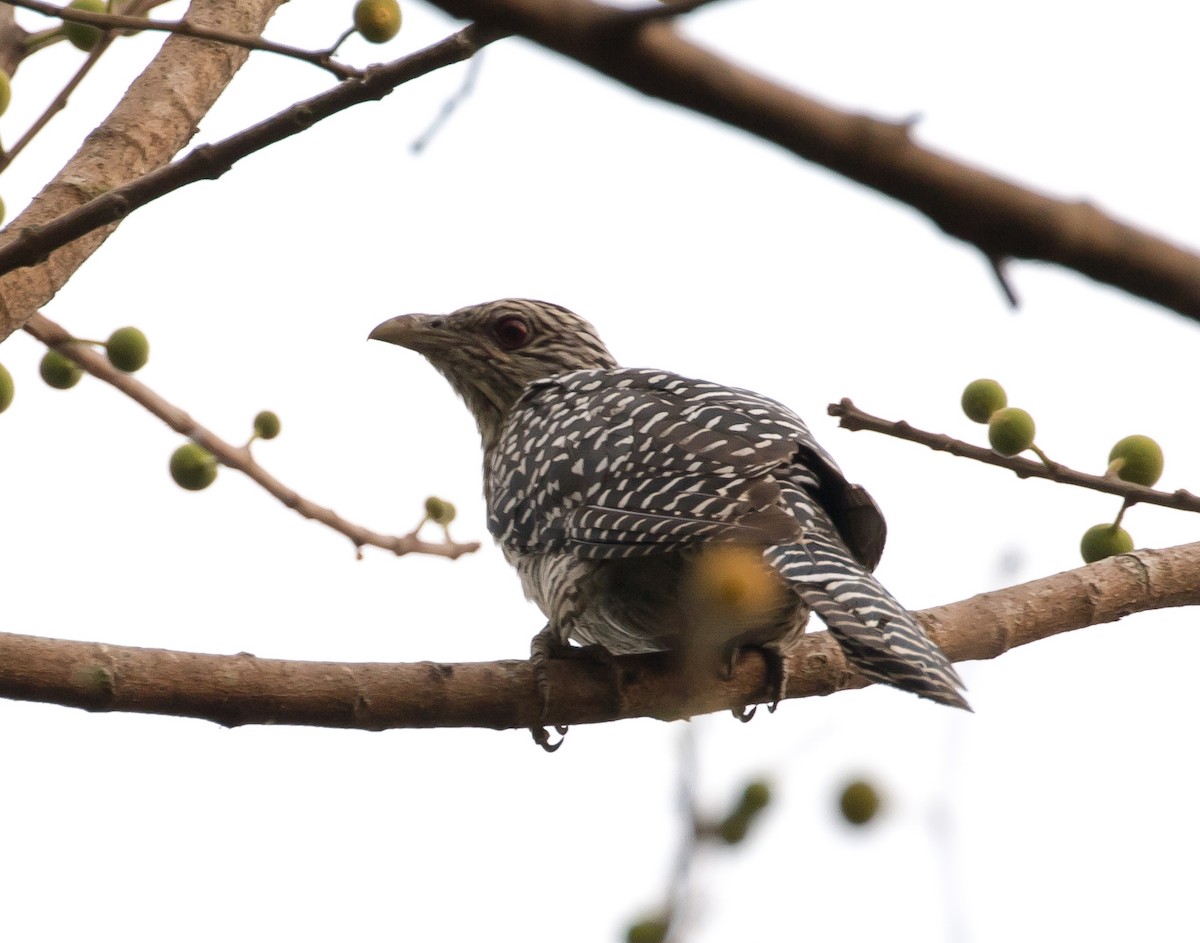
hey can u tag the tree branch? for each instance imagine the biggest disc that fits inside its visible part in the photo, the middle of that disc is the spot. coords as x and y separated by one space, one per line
854 419
241 689
116 21
32 244
153 120
1002 219
236 457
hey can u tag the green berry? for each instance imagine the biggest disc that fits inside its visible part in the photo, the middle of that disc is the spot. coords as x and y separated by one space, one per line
652 930
734 828
377 20
128 349
981 398
1104 540
439 511
1137 458
1010 431
60 372
755 797
859 803
6 388
5 91
193 467
81 35
267 425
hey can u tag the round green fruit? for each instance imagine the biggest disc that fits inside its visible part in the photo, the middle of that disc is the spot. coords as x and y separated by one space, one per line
58 371
756 796
1140 460
128 349
734 828
6 388
377 20
5 91
439 511
193 467
267 425
81 35
1010 431
859 803
653 930
981 398
1104 540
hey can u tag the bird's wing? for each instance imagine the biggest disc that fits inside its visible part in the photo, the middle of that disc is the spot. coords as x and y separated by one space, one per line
612 463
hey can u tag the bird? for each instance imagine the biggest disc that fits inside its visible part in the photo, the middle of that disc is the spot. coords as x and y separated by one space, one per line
608 488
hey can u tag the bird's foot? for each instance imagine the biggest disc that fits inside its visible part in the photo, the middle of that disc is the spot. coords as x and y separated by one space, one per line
546 645
774 686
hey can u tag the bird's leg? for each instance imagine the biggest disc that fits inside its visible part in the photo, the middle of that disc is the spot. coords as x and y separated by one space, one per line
775 684
548 644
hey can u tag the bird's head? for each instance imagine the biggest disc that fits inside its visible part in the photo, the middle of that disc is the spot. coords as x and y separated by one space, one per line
490 352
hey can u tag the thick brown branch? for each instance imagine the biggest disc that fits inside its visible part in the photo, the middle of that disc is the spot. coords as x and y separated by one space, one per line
1002 219
854 419
236 457
208 162
154 119
242 689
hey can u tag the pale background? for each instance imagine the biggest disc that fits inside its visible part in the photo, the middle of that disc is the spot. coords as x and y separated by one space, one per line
1063 809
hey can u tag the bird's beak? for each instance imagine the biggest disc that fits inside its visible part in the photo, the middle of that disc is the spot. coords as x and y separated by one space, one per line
413 331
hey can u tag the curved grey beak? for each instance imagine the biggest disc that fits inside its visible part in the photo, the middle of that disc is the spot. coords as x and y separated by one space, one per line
404 330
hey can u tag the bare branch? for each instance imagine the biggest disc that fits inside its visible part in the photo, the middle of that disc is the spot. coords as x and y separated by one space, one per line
208 162
854 419
154 119
1001 218
241 689
236 457
117 21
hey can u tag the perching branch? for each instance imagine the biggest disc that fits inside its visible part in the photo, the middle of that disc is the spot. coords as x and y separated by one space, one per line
1004 220
236 457
241 689
852 418
210 161
116 21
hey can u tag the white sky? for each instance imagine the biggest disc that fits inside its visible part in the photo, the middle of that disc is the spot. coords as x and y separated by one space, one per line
1061 810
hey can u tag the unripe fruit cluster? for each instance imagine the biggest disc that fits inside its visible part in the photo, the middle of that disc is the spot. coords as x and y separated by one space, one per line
734 827
1137 459
1010 430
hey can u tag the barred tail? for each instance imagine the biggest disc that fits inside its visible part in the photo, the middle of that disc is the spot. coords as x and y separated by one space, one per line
880 638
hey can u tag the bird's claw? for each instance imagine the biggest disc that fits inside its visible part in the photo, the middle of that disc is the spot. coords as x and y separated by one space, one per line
542 737
746 714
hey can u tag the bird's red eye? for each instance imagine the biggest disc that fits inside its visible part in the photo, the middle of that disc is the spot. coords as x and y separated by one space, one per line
512 332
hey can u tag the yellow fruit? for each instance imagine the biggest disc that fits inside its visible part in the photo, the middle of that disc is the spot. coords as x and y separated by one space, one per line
81 35
1104 540
439 511
981 398
377 20
859 803
1010 431
1138 459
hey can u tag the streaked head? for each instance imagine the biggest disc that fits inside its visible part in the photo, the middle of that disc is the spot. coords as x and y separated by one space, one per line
490 352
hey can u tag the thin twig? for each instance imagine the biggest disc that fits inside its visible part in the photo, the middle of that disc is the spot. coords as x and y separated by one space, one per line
209 161
111 21
854 419
58 103
450 105
239 458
